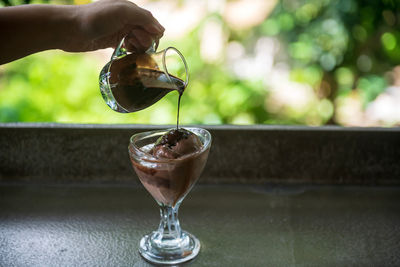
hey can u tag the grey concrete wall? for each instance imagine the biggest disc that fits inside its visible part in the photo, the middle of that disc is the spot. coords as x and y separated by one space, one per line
65 153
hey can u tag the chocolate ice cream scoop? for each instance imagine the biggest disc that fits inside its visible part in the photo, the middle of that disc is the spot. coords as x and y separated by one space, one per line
176 143
170 166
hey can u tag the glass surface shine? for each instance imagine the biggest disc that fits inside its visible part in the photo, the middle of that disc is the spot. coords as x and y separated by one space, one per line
168 181
169 60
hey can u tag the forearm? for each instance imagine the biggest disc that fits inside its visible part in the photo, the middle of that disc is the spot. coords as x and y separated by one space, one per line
29 29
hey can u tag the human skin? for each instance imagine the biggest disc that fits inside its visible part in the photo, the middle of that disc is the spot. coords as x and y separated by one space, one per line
28 29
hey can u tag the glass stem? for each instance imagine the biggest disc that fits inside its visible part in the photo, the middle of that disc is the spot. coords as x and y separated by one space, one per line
169 228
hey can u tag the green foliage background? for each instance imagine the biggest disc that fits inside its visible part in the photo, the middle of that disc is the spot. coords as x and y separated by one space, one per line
343 45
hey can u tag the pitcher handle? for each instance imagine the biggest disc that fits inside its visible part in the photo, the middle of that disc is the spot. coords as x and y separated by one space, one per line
184 63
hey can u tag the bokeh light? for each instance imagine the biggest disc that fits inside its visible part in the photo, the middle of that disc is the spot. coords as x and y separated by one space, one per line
251 62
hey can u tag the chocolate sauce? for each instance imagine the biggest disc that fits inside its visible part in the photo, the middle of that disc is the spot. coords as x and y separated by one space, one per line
179 105
136 88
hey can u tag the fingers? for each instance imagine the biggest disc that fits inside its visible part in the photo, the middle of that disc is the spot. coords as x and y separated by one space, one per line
145 40
154 27
105 21
140 40
144 18
133 44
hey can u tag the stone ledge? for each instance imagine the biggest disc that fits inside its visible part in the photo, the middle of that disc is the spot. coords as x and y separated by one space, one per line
80 153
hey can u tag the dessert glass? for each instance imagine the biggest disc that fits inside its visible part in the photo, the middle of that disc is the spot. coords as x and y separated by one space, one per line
168 181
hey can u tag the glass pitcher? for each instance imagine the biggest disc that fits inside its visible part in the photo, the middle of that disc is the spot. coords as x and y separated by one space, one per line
133 81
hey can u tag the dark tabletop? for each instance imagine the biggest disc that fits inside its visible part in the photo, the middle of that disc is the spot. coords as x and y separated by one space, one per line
75 225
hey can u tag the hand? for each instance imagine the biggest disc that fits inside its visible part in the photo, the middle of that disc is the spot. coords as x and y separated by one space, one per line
104 23
29 29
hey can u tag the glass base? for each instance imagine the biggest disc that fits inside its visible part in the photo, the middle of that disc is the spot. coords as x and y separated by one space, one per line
172 251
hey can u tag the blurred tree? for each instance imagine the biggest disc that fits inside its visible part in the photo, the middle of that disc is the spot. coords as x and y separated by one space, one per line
329 48
351 41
